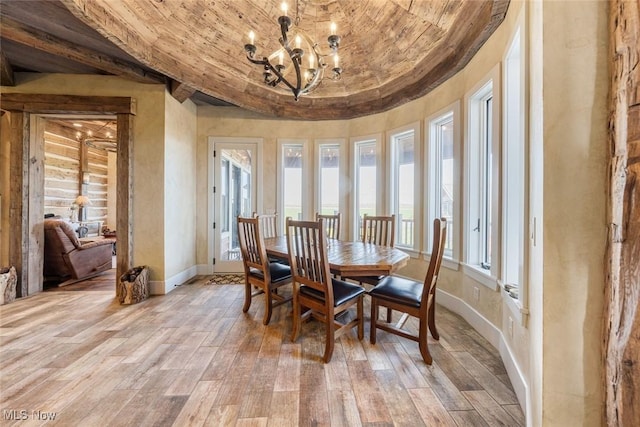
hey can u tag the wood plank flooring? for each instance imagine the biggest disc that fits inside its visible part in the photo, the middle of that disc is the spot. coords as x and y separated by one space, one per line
192 358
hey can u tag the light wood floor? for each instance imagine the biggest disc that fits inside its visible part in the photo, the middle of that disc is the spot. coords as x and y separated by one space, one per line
193 358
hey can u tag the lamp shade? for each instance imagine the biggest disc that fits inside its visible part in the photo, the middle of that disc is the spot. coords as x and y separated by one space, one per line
82 200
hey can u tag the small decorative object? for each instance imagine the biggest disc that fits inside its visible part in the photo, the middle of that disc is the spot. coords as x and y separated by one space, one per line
106 232
133 286
8 280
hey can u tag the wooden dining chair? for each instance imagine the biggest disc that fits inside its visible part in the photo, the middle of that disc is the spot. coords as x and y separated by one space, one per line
315 293
268 224
260 275
417 299
379 230
332 224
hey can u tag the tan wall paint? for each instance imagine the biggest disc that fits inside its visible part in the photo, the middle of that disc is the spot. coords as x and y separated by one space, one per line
148 151
179 186
576 82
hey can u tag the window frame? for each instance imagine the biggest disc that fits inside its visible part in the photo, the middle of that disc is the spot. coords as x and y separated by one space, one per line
515 127
433 161
488 87
343 177
393 136
355 142
306 197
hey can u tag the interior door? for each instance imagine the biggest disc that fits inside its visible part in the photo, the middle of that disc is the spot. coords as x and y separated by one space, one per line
235 192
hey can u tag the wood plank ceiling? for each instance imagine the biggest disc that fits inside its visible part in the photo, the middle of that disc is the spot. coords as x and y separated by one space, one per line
392 51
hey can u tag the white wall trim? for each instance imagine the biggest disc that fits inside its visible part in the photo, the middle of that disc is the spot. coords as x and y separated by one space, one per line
495 338
159 287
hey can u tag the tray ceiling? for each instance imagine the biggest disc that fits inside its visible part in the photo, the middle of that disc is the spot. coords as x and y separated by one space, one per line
392 51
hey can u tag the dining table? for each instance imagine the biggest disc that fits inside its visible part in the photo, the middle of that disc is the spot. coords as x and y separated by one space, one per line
349 259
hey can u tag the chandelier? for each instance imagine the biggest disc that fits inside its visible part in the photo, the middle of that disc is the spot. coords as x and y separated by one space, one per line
297 51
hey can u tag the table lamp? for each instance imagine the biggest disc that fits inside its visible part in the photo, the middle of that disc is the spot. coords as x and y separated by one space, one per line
81 201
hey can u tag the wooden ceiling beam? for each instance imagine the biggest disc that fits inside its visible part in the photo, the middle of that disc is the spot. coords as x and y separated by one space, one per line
23 34
68 104
181 91
6 71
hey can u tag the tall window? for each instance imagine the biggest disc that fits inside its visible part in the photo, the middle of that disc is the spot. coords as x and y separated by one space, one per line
442 185
403 179
514 171
292 179
480 179
329 182
366 176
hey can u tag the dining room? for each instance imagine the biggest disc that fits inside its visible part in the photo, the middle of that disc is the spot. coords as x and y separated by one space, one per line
506 141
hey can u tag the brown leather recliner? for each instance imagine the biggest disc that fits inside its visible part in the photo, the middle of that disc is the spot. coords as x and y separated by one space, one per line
65 257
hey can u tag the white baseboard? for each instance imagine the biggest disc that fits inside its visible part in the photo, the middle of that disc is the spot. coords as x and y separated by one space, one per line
494 336
160 287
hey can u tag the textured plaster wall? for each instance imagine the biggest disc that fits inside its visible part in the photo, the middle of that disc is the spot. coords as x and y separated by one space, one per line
179 186
575 80
148 151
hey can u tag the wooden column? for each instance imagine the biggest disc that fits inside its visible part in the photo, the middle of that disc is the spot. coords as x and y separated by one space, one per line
18 199
621 345
124 201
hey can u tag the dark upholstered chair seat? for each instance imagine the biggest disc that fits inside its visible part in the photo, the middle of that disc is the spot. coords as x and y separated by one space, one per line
397 289
342 292
278 272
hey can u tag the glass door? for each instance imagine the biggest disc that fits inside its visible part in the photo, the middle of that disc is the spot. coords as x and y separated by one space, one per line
234 195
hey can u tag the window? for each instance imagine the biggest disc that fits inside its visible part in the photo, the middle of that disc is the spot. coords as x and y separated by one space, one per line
366 152
329 178
482 179
293 194
402 169
443 133
514 172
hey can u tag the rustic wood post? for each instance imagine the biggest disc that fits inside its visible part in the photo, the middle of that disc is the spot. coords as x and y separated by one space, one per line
621 345
18 198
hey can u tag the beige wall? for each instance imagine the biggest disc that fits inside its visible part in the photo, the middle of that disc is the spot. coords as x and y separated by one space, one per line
575 80
179 186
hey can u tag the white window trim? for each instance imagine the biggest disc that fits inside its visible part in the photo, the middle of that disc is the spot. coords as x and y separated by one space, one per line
307 174
414 127
344 191
518 307
380 202
489 278
430 212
